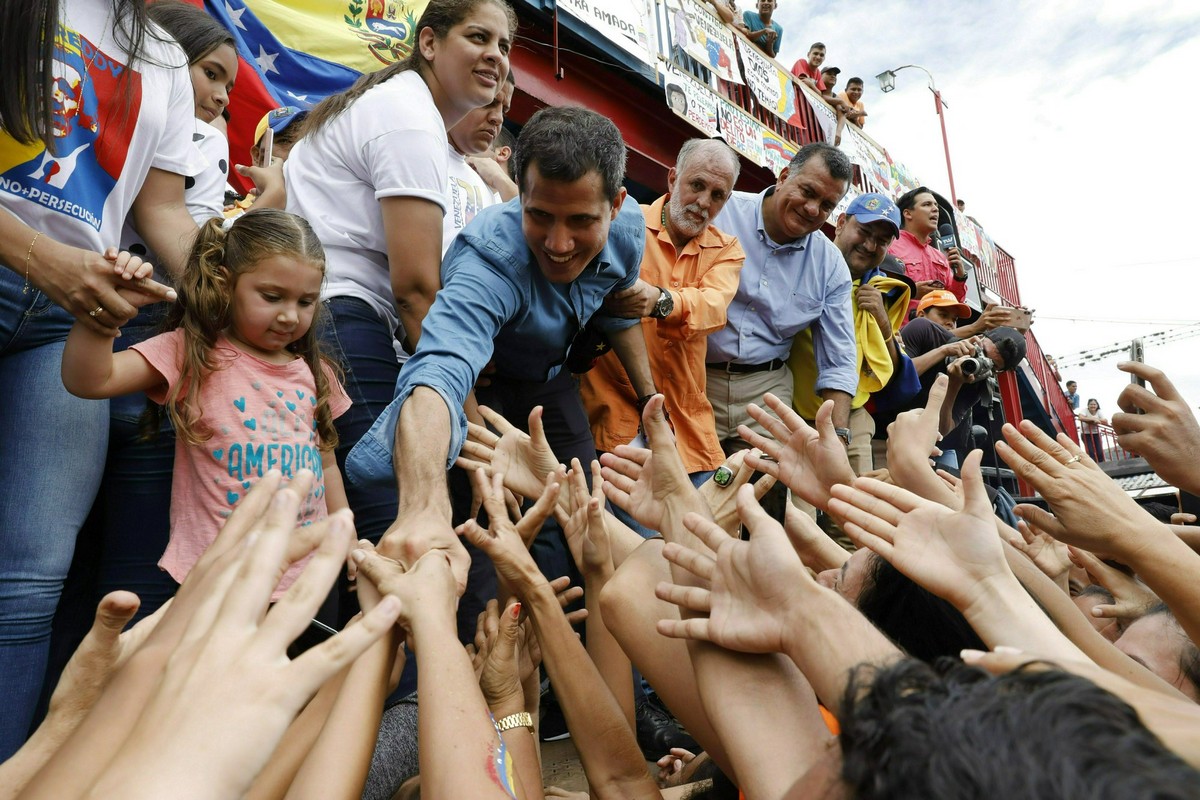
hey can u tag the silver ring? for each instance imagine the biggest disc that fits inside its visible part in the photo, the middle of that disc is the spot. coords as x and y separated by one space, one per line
98 310
1073 459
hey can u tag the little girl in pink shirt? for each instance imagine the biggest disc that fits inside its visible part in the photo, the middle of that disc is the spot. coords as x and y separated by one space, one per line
241 374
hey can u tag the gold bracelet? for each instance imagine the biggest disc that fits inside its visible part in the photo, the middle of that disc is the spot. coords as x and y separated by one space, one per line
28 256
522 719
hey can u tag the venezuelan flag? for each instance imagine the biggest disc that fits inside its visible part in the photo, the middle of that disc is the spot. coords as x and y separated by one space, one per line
298 52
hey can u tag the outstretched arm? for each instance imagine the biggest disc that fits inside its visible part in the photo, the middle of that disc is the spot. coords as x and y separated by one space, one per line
606 744
468 759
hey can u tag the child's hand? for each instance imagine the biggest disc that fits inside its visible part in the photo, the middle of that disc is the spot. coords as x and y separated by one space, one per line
128 266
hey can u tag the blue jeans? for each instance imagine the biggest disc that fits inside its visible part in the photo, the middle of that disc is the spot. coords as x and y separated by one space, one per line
51 457
354 336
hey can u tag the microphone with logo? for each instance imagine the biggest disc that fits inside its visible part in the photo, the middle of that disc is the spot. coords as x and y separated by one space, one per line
946 237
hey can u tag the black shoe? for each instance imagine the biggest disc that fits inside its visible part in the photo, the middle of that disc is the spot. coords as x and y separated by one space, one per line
553 725
658 731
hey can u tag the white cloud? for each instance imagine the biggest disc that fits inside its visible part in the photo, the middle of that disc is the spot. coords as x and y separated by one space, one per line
1072 131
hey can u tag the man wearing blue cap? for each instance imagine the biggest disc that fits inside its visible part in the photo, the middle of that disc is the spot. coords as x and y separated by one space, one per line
880 301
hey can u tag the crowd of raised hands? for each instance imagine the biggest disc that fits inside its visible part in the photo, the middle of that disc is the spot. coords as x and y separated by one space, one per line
950 655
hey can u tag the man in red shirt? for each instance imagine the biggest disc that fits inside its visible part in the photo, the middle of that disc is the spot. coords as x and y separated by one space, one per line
809 70
928 267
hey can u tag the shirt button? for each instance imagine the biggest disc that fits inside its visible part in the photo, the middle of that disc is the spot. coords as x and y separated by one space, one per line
674 283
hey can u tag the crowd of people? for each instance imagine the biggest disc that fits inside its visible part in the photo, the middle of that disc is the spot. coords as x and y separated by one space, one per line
441 433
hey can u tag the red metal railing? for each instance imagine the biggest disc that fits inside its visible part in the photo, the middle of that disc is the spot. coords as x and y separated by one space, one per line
1101 444
1052 398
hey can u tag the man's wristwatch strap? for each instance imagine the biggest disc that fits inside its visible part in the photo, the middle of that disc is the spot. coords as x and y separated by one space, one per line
843 434
518 720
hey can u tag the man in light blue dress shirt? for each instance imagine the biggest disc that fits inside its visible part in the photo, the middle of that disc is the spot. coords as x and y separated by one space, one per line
794 278
517 285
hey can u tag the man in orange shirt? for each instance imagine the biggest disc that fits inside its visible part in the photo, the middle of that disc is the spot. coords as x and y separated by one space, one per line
689 275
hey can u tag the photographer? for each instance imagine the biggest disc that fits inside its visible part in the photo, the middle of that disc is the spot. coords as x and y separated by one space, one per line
969 363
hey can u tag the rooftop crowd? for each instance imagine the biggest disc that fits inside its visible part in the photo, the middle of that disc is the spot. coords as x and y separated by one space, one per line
440 445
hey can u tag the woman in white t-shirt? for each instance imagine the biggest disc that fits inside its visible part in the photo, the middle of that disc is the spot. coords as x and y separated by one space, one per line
104 143
370 174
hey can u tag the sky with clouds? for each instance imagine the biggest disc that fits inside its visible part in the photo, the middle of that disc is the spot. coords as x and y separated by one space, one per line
1072 129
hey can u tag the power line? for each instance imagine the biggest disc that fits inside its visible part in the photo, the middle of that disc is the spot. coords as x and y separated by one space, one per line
1157 339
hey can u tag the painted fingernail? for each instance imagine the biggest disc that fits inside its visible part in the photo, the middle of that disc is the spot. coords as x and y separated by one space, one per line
971 655
516 610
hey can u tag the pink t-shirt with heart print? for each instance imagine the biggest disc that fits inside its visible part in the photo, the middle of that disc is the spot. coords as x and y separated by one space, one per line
261 417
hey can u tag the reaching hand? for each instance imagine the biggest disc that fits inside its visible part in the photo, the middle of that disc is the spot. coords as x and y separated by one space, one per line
525 459
1090 510
499 675
411 537
1167 434
754 585
1131 598
648 483
425 589
229 688
583 523
914 434
722 500
501 542
949 553
529 524
807 461
1047 553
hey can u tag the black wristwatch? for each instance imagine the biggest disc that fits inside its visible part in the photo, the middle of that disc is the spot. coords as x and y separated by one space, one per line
665 305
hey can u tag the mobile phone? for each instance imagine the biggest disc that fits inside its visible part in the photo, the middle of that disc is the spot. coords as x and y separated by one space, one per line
1137 352
938 284
266 146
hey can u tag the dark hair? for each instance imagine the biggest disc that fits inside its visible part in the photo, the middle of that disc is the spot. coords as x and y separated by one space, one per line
1010 343
815 45
1096 590
567 143
1093 400
1070 382
193 27
909 198
1189 654
853 81
28 37
439 16
204 310
832 71
924 625
837 162
952 731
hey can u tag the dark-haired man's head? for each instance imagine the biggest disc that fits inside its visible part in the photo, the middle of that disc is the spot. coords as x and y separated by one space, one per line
806 192
1157 642
919 210
570 166
854 89
922 624
1096 595
951 731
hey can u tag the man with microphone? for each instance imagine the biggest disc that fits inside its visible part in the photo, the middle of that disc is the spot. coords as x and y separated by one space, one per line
929 267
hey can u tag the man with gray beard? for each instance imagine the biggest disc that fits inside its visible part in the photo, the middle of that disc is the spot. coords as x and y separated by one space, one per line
689 273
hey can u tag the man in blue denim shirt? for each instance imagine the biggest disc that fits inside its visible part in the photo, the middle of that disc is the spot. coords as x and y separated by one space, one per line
794 278
517 284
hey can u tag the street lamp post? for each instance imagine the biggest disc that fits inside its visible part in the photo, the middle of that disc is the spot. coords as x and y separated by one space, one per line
887 82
